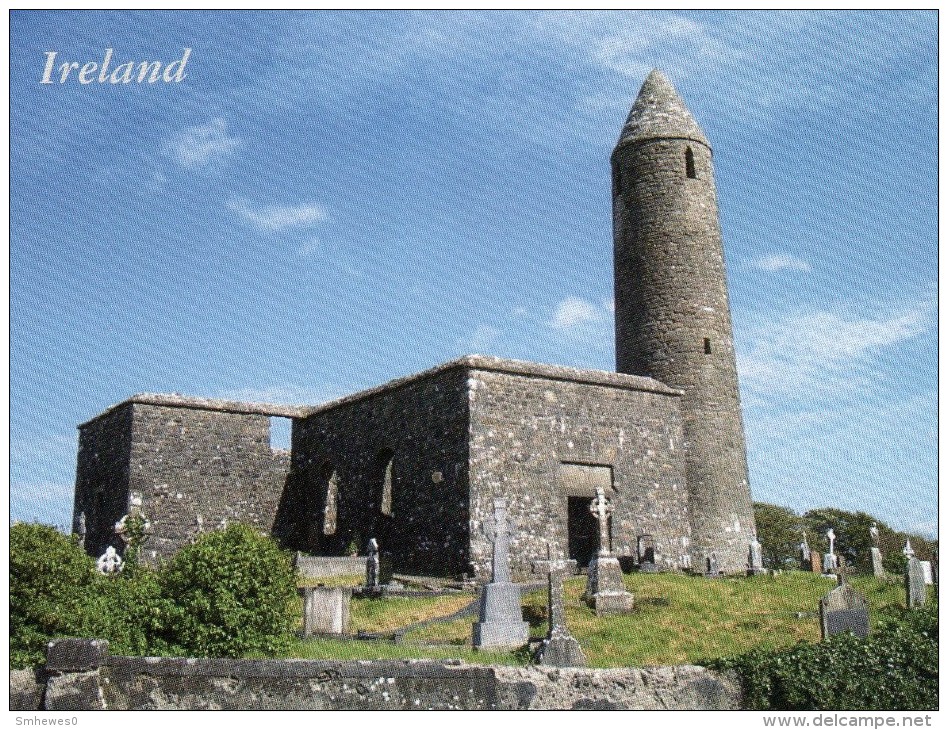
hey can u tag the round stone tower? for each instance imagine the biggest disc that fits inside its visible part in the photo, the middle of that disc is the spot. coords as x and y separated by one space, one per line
673 321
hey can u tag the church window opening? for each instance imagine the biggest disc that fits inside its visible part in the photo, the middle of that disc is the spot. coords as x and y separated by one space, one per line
385 463
690 163
331 508
707 345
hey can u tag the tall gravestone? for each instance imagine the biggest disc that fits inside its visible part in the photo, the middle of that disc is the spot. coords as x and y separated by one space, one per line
755 557
712 568
500 620
844 609
805 561
372 566
830 561
915 591
877 569
605 590
559 648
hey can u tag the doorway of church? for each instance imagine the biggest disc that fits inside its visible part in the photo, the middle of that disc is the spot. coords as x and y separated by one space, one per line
582 530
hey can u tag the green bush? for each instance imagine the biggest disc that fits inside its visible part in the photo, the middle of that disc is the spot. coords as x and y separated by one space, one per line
130 611
894 668
230 594
50 582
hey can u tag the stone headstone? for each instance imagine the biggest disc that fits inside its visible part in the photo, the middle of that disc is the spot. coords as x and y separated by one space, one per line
755 557
844 609
877 570
605 590
372 566
830 563
559 648
500 619
645 550
927 570
713 568
325 610
110 562
805 562
915 591
816 562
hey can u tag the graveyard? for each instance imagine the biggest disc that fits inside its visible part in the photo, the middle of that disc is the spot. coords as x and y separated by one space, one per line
678 619
710 635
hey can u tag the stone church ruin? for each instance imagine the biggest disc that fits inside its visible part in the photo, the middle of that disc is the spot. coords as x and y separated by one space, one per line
418 462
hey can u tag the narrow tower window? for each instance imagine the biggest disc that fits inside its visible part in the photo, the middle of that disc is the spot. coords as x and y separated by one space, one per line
690 163
385 460
331 509
707 346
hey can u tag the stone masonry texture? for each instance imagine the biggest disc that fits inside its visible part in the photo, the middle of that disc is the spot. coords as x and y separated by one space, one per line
524 427
187 462
151 683
673 319
416 463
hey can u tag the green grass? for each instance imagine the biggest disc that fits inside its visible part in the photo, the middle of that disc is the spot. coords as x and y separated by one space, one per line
333 581
677 619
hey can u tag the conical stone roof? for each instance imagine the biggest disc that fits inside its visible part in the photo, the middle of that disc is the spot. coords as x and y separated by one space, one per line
659 112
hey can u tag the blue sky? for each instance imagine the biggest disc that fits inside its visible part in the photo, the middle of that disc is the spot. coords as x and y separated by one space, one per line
332 200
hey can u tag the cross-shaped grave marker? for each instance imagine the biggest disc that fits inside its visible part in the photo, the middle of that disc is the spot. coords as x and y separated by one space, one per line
559 648
500 621
601 508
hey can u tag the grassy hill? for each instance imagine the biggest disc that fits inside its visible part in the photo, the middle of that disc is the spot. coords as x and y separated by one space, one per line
677 619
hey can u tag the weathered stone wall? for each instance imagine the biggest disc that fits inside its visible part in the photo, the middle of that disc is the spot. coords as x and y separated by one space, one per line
673 320
315 566
127 683
102 475
525 426
411 432
186 463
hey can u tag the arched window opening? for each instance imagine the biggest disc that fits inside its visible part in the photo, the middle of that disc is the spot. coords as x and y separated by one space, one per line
331 507
690 163
707 345
385 462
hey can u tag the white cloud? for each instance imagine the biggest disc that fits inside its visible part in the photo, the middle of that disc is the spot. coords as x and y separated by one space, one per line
279 217
202 145
482 339
814 352
574 312
780 262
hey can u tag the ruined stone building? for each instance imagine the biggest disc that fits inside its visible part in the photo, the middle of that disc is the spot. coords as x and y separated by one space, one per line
417 462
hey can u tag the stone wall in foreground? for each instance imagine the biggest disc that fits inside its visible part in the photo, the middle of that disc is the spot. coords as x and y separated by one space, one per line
85 677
